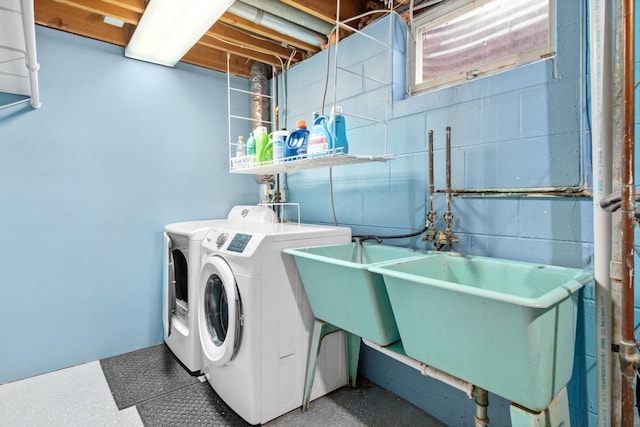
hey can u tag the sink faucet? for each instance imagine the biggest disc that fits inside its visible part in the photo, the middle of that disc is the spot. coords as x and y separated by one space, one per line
440 238
359 240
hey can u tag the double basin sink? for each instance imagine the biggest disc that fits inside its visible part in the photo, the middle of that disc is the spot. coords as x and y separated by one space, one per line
506 326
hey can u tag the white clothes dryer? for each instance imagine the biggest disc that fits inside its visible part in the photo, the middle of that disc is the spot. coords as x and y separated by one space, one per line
181 272
255 320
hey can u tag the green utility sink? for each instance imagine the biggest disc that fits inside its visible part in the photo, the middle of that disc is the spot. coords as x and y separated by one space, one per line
506 326
342 291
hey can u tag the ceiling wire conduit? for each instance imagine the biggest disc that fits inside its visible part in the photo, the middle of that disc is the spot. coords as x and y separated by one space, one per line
291 14
276 23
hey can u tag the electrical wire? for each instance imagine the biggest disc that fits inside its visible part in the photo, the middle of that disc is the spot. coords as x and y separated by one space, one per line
333 208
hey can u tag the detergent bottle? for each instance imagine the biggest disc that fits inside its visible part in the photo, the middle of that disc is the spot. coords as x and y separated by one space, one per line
319 138
264 147
296 142
279 139
337 128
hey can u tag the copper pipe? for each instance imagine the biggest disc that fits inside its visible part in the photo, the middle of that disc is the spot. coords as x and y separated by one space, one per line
448 160
627 220
431 184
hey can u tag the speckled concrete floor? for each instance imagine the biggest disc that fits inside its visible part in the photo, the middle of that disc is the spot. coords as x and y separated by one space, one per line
77 396
368 405
80 396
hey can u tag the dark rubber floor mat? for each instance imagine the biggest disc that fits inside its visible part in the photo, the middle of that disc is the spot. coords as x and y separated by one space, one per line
195 405
144 374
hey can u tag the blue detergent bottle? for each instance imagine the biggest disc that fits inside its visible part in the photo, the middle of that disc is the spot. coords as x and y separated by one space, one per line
296 143
319 137
338 129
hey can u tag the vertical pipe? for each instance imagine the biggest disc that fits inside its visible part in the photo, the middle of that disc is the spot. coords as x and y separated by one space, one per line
448 154
616 237
600 84
448 215
431 183
431 215
448 173
627 220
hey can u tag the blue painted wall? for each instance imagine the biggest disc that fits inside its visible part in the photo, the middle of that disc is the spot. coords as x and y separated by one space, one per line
119 149
519 128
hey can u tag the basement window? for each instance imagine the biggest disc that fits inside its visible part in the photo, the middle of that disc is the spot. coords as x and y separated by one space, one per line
465 39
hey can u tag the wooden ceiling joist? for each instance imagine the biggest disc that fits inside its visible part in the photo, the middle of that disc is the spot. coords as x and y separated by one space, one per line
217 60
105 9
50 13
245 40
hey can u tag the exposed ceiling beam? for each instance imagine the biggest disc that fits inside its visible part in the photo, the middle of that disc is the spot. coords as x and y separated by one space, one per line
224 46
326 10
217 60
105 9
77 21
133 5
245 40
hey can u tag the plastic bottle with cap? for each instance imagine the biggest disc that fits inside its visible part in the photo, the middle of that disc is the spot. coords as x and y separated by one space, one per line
296 143
264 150
251 145
240 148
279 139
338 129
319 137
251 149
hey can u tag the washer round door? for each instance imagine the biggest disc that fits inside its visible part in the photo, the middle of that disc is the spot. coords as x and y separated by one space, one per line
220 314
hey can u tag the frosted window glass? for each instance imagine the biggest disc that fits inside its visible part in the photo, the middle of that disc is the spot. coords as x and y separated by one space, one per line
499 33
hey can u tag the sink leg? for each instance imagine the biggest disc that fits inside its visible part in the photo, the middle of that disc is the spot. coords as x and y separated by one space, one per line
555 415
320 330
353 356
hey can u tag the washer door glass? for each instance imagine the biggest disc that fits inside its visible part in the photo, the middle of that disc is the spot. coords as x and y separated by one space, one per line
221 312
216 309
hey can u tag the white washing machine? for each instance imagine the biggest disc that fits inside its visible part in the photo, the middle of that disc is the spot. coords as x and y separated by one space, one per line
181 273
255 320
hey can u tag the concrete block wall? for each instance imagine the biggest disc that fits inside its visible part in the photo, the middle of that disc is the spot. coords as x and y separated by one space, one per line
521 128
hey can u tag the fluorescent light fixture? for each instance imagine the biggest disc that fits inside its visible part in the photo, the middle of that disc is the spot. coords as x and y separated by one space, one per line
169 28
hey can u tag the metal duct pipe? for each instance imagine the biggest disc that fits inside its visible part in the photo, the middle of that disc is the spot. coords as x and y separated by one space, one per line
292 15
260 100
627 345
260 115
276 23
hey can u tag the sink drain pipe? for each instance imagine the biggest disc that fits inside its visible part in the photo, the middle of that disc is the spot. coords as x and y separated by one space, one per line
480 395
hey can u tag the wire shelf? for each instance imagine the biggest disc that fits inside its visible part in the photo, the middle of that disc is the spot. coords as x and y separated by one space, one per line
238 165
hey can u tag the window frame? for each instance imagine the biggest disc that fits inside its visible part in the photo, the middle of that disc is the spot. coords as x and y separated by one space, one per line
431 18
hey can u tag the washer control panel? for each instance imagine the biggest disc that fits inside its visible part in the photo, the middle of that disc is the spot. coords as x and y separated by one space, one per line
239 242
